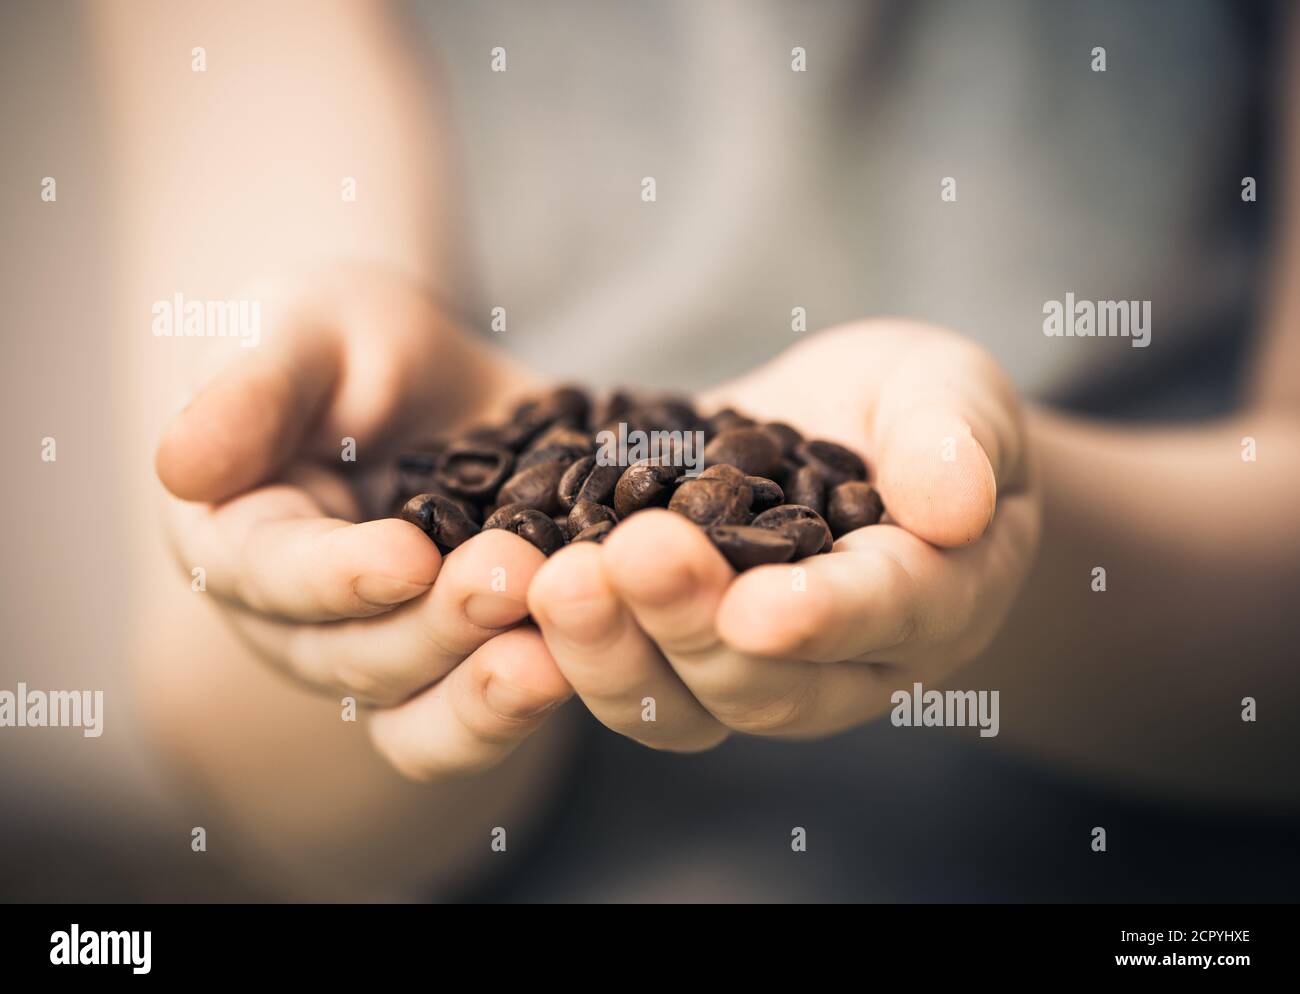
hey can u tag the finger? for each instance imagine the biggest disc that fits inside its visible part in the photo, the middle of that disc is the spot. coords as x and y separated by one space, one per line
480 592
672 580
610 663
478 714
945 437
245 425
272 551
881 595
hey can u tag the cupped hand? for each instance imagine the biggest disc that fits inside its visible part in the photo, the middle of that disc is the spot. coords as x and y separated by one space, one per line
261 498
666 645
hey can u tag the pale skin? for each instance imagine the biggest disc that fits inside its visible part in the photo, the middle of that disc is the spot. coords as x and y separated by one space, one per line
999 513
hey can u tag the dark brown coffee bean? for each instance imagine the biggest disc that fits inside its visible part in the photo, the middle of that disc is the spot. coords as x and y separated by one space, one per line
523 429
851 506
563 435
596 533
785 473
469 469
413 475
726 419
540 476
416 475
786 438
745 547
566 454
723 471
585 513
661 415
535 487
834 463
467 507
529 524
647 483
673 414
497 517
415 470
439 518
807 488
751 450
805 526
566 405
766 493
610 408
586 479
712 502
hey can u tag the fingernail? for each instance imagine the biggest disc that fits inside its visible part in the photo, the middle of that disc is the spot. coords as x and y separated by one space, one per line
385 591
494 610
505 700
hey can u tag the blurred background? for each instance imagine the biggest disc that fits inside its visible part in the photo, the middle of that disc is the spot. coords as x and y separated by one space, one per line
775 189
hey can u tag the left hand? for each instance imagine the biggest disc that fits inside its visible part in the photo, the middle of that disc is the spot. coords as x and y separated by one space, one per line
656 612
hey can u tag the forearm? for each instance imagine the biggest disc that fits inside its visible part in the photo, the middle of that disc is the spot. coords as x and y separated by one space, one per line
1201 552
240 168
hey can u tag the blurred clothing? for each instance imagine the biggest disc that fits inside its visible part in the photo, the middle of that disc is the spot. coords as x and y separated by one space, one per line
820 189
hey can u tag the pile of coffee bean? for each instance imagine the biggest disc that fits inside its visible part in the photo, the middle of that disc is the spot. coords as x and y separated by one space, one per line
766 494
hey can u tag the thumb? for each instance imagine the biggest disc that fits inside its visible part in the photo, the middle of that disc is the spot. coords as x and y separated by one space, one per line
947 438
250 421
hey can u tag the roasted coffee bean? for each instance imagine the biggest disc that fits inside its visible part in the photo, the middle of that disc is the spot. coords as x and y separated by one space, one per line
535 487
473 470
586 479
723 471
566 454
805 526
673 414
751 450
610 408
566 405
662 415
563 435
415 474
421 463
834 463
761 497
807 488
586 513
529 524
526 425
785 473
745 546
596 533
726 419
766 493
712 502
496 517
647 483
852 505
439 518
785 437
467 507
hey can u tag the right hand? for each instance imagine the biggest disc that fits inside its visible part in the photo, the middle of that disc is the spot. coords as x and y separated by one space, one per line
259 497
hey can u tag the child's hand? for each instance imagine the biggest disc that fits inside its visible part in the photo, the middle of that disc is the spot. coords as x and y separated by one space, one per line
656 612
351 608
